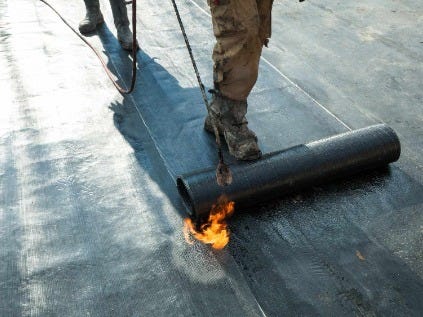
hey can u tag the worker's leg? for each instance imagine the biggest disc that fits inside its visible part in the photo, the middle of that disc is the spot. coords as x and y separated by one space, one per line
236 55
236 25
120 17
93 17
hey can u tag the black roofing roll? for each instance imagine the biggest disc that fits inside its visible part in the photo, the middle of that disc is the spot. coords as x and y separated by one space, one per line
293 169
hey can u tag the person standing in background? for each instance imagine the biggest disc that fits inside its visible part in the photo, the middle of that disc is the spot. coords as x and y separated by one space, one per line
94 17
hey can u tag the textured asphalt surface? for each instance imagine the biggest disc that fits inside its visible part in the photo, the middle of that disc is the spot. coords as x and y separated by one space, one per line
90 218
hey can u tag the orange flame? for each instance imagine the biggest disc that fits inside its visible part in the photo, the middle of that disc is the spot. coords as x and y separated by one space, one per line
215 230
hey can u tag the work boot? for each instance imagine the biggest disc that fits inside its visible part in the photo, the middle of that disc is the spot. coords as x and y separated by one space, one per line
120 17
231 122
124 36
208 126
93 17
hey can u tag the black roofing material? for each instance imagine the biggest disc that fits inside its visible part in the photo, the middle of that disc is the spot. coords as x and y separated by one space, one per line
293 169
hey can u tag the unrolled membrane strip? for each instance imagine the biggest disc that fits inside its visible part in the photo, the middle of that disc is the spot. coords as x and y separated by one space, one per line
293 169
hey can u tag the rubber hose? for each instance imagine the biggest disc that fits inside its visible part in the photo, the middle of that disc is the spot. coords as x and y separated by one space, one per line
292 170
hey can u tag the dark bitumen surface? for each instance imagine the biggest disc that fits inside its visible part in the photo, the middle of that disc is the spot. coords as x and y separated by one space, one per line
90 218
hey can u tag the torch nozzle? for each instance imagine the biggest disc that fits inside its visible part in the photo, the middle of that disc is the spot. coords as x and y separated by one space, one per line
223 174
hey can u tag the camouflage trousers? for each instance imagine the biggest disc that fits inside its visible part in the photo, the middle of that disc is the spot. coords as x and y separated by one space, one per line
241 28
119 11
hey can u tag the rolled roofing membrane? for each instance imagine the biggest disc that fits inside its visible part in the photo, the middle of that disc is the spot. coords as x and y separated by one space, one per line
293 169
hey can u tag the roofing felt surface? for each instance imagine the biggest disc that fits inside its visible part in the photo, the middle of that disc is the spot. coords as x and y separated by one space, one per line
90 218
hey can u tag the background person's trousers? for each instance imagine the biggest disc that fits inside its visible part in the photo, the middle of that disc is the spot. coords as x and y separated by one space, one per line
120 15
241 28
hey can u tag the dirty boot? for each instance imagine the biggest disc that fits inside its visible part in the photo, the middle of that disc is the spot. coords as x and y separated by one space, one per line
120 17
213 113
93 17
124 36
230 117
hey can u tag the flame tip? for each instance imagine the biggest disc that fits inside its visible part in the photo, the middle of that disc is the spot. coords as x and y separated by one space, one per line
214 231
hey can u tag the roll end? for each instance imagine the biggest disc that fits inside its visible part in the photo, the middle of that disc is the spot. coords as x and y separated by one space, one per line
186 197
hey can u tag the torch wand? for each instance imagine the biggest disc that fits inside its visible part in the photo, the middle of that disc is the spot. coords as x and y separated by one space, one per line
223 173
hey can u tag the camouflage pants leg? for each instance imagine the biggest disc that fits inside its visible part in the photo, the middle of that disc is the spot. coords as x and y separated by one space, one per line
120 14
241 28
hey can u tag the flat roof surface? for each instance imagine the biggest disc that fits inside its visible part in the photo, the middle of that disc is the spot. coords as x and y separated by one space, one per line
90 217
